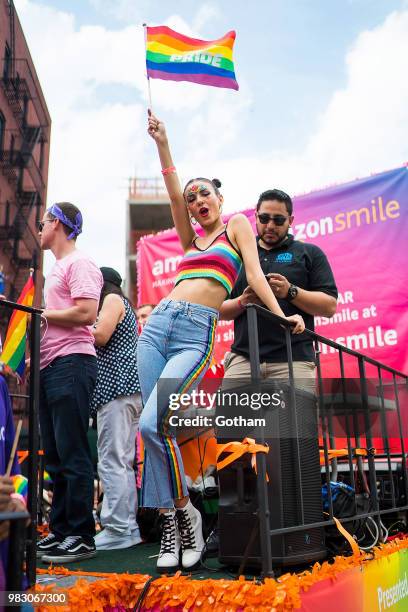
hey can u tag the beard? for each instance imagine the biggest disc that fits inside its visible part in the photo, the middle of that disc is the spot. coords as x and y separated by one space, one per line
275 240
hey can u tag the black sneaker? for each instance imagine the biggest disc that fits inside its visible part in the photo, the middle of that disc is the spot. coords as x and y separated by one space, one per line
73 548
47 545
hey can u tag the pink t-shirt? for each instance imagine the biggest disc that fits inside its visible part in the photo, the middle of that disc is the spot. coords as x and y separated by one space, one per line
72 277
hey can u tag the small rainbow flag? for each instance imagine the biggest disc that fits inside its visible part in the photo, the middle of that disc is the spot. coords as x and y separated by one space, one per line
14 349
175 57
20 484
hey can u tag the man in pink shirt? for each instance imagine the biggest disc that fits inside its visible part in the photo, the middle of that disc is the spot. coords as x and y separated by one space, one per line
67 379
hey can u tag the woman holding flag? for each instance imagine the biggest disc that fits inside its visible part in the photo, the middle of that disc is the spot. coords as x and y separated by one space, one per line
176 345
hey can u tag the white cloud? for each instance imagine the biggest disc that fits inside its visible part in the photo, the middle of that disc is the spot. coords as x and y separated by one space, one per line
95 146
121 10
363 130
96 143
365 126
206 14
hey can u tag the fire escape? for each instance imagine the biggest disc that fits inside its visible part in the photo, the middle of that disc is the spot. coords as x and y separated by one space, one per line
21 158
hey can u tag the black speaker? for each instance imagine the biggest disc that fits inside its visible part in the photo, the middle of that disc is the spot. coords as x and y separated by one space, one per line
238 502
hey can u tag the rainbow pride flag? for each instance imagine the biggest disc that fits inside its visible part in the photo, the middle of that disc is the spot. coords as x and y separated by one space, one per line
175 57
14 349
20 484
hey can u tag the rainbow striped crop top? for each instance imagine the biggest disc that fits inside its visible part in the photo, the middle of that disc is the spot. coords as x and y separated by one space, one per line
220 261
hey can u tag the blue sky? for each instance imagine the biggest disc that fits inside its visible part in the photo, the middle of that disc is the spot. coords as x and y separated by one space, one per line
304 43
323 98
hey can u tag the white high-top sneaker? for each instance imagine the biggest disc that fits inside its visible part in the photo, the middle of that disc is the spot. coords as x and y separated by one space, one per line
191 533
169 556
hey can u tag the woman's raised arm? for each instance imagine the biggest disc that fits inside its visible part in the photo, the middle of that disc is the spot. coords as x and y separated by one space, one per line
179 211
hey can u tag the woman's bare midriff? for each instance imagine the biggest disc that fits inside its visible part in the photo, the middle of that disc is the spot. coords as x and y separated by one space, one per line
204 291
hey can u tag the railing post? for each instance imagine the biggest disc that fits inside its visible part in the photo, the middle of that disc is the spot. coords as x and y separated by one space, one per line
347 422
14 579
262 486
33 443
369 441
294 424
322 411
384 435
401 433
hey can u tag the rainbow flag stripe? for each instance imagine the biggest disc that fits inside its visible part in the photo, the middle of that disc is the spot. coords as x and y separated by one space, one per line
192 378
175 57
13 354
47 477
20 484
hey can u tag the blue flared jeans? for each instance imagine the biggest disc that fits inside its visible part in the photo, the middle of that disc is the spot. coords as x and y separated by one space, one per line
173 354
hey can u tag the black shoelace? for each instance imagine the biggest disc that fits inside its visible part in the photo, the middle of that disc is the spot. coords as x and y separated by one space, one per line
168 539
185 529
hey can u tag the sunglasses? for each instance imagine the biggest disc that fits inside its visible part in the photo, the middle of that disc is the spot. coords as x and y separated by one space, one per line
264 218
41 224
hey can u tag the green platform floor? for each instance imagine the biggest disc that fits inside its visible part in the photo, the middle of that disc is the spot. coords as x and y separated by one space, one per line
139 559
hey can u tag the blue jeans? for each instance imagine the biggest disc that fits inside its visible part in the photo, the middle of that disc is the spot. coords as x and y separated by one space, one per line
173 354
66 387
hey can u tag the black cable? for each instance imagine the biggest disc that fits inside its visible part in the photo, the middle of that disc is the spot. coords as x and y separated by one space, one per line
202 460
222 568
141 599
202 556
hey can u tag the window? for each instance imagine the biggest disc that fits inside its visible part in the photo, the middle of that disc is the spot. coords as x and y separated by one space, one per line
7 219
7 63
25 107
41 163
2 130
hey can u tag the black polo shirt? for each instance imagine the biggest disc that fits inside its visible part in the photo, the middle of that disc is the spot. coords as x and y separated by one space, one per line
304 265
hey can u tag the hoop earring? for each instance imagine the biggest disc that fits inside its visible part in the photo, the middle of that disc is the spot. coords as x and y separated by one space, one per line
193 221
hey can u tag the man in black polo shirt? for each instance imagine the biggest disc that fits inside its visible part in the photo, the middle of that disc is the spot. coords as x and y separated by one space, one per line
302 281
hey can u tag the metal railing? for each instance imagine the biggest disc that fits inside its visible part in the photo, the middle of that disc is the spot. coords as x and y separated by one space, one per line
33 446
352 433
17 540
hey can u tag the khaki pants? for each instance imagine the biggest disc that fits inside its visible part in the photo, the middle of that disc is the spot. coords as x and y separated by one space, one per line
117 426
237 366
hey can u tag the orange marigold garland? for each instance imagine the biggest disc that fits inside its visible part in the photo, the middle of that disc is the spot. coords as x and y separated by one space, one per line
119 592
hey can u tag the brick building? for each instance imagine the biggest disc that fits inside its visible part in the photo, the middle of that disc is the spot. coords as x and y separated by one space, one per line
24 150
147 212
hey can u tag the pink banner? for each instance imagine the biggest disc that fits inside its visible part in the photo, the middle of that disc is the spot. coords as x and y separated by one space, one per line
361 226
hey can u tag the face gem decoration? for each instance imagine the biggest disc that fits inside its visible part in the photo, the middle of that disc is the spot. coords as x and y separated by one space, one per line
196 188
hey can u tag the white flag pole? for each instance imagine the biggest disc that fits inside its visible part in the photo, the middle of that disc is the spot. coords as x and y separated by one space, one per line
149 91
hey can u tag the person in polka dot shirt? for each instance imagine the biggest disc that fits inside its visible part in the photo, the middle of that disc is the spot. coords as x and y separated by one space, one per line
117 402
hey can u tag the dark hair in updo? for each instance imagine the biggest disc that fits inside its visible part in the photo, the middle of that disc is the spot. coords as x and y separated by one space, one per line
216 183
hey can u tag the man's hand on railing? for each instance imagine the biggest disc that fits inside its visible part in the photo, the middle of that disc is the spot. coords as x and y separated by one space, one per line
250 297
299 323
